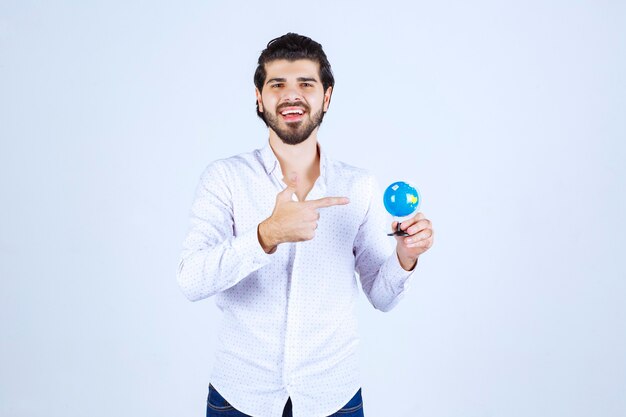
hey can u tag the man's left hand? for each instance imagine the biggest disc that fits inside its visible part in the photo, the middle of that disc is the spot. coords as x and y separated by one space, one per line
420 239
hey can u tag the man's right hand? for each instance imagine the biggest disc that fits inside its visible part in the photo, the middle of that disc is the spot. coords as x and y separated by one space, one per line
293 221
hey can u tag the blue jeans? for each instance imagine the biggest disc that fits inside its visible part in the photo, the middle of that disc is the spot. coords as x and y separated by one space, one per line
217 406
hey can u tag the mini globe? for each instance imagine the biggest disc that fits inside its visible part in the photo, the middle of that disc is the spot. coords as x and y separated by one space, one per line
401 199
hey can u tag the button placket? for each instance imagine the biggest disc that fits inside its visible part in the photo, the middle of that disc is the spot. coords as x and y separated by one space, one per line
291 322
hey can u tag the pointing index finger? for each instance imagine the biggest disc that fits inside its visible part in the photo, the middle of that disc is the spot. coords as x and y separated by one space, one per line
328 202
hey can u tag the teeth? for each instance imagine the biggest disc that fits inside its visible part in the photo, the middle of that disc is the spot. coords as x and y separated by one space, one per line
300 112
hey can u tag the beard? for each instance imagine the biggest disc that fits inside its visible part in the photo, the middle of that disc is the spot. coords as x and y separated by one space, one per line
294 132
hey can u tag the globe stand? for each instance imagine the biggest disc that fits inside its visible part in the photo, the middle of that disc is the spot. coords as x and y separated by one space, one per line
398 232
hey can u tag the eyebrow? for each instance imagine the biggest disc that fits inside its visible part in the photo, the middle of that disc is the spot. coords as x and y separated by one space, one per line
300 79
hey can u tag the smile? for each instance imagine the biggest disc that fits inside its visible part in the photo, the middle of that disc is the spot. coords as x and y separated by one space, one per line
291 114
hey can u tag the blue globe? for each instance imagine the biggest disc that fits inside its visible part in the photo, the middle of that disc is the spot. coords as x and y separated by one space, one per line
401 199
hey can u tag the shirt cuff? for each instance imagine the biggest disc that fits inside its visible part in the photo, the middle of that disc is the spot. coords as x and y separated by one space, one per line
249 248
397 276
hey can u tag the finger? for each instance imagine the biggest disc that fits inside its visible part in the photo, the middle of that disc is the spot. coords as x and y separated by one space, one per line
328 202
289 191
423 235
426 244
421 244
394 228
405 224
419 226
308 225
286 194
310 215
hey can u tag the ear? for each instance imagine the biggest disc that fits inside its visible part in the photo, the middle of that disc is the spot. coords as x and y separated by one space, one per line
259 100
327 95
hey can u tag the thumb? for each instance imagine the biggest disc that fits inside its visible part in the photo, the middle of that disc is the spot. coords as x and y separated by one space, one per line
287 193
395 226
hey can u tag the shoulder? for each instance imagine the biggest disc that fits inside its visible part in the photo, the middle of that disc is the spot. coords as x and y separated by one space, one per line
227 169
221 176
357 177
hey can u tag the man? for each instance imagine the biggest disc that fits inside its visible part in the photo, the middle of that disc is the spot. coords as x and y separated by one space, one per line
277 235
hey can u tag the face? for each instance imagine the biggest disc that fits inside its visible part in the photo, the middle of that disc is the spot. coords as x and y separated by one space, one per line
293 100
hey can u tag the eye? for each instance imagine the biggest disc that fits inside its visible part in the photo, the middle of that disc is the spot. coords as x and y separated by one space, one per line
307 85
277 85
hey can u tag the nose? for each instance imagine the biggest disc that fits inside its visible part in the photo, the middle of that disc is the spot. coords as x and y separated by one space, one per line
291 93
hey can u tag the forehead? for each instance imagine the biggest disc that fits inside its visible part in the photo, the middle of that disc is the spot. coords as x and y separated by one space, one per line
282 68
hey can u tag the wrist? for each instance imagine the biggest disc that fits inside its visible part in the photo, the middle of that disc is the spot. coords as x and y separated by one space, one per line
266 238
406 262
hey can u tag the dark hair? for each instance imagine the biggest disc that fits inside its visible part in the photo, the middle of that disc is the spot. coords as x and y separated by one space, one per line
292 47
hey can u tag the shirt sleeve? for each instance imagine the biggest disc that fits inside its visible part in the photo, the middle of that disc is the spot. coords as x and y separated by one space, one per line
213 259
383 279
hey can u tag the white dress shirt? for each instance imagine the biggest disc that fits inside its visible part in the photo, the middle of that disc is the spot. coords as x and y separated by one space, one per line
289 323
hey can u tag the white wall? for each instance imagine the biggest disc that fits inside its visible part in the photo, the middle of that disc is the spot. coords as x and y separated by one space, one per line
509 116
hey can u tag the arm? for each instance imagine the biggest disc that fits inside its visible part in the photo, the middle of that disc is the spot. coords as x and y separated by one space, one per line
213 259
382 276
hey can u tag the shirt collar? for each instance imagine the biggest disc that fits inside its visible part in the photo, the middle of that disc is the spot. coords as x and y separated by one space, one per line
268 158
270 162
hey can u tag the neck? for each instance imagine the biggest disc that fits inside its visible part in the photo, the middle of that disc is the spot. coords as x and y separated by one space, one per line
302 159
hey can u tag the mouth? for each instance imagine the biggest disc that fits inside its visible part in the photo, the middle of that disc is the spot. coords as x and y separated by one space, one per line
293 114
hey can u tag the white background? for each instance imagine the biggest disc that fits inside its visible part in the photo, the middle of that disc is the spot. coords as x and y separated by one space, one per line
509 116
